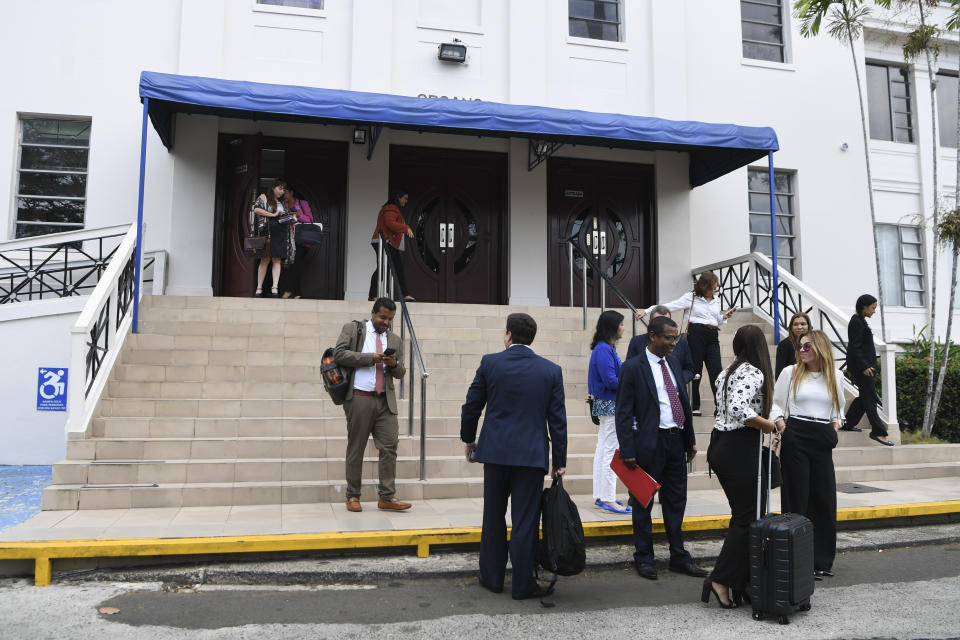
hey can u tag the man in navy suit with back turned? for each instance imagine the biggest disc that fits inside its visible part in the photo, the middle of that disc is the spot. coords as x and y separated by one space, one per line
655 431
523 394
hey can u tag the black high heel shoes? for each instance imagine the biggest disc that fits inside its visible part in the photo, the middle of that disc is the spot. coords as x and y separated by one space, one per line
708 589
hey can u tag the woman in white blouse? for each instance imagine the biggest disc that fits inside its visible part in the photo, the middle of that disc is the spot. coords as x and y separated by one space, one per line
808 404
744 398
704 318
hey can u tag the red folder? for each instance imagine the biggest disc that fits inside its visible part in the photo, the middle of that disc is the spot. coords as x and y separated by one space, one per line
637 481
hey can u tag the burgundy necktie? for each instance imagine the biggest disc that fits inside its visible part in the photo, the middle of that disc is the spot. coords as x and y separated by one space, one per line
379 384
673 395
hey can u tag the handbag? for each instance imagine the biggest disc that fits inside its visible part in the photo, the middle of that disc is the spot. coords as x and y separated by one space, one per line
255 246
309 233
593 418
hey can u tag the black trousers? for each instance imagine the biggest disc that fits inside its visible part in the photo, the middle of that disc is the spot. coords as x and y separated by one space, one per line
524 488
396 257
669 468
733 457
704 349
866 403
809 483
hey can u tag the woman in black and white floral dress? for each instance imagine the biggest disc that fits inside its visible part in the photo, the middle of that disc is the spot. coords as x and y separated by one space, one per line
744 397
280 247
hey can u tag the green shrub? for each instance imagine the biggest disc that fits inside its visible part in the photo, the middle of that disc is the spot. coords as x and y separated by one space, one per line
912 393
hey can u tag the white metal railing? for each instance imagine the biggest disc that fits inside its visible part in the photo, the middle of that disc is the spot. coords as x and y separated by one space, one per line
99 332
747 282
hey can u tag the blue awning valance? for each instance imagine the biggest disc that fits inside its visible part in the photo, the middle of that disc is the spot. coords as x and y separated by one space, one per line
715 149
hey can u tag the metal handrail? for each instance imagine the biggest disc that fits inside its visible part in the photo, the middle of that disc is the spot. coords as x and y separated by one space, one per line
571 245
415 351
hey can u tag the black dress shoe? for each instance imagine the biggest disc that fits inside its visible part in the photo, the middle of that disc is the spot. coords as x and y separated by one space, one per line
885 443
536 592
489 587
851 428
817 577
823 572
690 568
646 570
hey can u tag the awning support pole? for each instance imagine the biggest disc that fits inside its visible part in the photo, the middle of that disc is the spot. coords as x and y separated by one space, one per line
773 246
139 249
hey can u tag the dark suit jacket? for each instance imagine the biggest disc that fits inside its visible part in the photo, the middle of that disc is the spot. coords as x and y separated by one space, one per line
523 394
861 351
637 400
344 354
681 359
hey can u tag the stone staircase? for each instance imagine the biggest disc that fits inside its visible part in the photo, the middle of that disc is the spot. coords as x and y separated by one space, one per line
218 401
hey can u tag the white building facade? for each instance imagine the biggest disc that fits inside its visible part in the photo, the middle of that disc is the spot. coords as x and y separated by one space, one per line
71 129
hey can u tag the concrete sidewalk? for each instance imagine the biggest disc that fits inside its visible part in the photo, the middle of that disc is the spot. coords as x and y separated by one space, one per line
190 522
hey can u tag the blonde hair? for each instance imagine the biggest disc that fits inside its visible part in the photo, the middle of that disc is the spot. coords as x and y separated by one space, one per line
823 349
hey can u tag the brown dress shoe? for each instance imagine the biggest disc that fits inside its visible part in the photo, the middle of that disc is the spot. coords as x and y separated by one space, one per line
392 504
353 504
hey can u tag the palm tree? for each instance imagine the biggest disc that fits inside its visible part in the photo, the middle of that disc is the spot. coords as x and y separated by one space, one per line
926 39
846 24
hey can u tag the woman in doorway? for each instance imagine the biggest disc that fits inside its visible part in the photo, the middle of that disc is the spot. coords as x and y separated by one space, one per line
704 318
279 247
807 405
602 375
864 368
391 224
787 349
744 399
291 274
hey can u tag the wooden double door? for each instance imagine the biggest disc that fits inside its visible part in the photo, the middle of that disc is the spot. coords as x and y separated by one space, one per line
316 171
607 209
457 210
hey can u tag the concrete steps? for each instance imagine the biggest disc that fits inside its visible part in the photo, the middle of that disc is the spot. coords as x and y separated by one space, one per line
218 401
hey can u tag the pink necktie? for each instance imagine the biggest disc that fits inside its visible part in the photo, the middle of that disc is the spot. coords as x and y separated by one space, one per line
678 416
379 387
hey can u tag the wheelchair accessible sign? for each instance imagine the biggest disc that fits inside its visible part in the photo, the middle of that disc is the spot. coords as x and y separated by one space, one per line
52 389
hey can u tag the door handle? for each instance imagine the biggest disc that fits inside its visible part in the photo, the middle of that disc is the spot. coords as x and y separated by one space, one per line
603 243
596 242
443 235
450 235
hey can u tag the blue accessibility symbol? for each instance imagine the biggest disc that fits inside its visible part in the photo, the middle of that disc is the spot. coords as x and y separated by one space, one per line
52 389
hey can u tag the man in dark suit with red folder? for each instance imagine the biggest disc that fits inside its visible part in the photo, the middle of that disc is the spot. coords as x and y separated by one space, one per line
525 418
655 431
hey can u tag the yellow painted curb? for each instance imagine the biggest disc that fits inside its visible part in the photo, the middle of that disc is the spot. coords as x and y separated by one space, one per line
43 551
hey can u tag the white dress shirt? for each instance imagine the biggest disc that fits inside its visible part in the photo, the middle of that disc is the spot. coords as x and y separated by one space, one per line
812 399
666 411
704 312
365 378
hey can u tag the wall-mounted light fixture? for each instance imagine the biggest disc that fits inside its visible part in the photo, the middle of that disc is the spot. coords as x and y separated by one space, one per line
454 51
360 135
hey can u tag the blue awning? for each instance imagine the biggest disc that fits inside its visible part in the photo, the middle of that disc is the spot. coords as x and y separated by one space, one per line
715 149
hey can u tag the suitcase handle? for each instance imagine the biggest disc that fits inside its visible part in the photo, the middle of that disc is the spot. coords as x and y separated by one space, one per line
760 475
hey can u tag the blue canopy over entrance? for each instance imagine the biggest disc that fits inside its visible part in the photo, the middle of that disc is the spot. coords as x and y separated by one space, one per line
714 149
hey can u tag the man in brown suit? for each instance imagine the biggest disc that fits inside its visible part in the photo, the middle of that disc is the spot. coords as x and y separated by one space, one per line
371 404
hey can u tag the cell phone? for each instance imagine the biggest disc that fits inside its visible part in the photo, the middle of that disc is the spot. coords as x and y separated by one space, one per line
389 351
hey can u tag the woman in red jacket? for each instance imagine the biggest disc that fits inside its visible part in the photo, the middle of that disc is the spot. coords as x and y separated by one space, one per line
390 223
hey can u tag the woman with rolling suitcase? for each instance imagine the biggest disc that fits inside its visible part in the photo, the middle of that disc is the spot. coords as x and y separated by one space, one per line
744 397
807 408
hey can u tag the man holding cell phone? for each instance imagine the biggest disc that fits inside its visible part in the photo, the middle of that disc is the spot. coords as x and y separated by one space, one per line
374 357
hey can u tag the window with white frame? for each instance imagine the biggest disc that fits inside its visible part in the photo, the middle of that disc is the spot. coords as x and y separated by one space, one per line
294 4
596 19
889 104
761 27
51 175
901 265
758 187
947 109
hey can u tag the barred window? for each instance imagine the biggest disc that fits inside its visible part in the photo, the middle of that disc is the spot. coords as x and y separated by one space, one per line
294 4
758 186
888 98
52 175
596 19
901 265
761 26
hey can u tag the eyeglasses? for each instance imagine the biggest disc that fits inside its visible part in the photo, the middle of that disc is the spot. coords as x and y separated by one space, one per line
670 338
806 346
